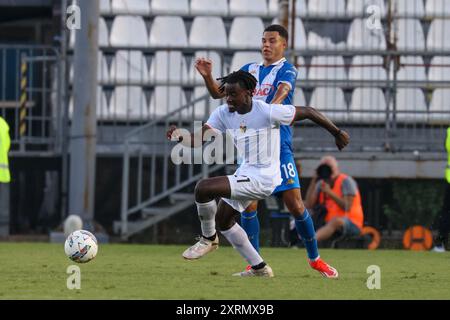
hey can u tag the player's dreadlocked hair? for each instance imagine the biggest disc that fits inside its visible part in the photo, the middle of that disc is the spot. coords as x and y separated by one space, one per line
245 80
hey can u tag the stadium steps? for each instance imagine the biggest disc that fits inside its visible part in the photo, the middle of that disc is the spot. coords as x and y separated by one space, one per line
154 214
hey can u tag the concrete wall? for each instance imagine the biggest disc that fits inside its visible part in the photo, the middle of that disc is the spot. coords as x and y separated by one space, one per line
383 165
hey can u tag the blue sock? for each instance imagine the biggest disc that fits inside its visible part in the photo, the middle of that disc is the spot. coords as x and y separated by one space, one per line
250 223
305 229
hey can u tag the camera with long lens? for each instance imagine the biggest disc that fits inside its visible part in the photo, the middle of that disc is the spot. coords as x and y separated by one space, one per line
324 172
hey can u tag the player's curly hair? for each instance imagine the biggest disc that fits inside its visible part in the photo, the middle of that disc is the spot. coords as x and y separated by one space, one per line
244 78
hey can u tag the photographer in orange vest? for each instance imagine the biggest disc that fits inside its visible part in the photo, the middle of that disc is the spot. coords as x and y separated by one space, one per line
335 200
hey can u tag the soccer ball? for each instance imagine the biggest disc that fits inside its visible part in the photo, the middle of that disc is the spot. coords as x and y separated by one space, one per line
81 246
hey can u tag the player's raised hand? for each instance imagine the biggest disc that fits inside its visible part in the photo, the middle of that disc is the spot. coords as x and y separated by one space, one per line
203 66
172 134
342 139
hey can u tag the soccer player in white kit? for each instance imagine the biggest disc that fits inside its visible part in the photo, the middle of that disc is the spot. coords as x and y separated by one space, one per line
247 121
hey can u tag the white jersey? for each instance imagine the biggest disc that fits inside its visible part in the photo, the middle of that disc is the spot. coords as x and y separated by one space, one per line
256 136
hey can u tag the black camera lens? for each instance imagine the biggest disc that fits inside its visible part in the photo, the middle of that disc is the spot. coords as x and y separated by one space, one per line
324 171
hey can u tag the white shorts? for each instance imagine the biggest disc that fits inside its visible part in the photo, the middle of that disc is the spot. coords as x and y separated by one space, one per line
245 190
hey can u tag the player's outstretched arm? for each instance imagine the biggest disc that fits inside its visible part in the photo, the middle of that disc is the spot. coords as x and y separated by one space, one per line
204 67
341 137
281 93
186 138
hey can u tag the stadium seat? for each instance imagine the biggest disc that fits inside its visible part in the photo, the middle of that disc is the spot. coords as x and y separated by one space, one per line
326 8
166 99
103 40
245 33
168 67
302 70
129 31
170 7
105 7
300 41
437 8
200 112
362 38
102 105
440 103
248 8
358 8
102 69
102 110
128 103
409 34
410 72
201 35
242 58
317 42
129 67
273 8
367 68
368 99
411 100
169 32
328 98
208 7
217 71
327 68
439 69
409 8
300 35
438 33
301 9
137 7
299 97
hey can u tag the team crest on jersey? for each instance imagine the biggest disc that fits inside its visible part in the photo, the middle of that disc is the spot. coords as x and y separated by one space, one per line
290 181
243 127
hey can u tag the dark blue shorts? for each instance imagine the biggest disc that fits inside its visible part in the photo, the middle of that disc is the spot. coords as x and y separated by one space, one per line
350 229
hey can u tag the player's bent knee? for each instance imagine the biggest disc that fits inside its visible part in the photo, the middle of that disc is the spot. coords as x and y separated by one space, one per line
296 209
201 190
224 223
337 223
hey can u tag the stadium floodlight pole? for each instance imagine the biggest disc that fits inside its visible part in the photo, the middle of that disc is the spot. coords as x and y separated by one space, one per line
62 100
293 13
391 88
284 13
84 122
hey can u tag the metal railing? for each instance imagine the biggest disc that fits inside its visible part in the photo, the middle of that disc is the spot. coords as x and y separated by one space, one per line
155 175
29 98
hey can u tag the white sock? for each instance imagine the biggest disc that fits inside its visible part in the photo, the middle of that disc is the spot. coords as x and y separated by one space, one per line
239 239
207 215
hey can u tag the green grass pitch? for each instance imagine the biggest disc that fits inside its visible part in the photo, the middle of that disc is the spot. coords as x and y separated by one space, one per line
121 271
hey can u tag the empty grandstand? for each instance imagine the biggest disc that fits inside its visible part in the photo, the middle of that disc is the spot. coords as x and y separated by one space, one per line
378 68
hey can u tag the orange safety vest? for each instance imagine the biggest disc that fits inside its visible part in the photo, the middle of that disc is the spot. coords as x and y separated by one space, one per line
355 214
